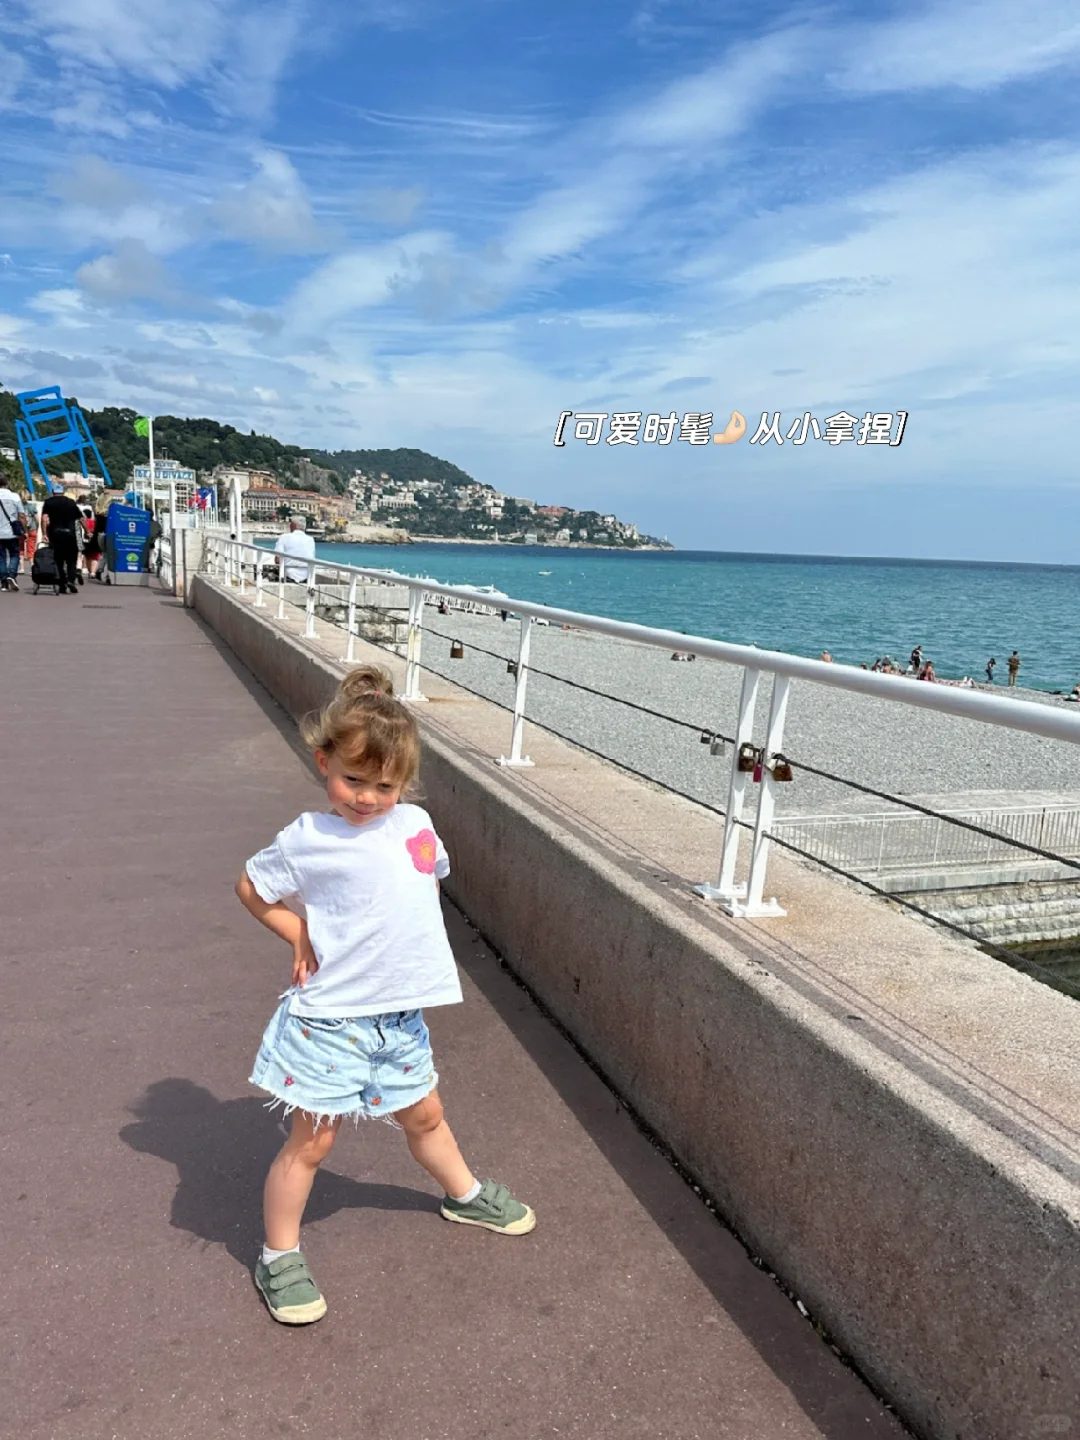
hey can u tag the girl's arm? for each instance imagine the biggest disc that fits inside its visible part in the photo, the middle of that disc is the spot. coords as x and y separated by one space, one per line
285 923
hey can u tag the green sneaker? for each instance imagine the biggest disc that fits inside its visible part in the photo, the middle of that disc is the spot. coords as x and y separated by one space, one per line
290 1293
493 1209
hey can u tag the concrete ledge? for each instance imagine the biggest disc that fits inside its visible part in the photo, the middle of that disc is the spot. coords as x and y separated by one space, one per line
941 1254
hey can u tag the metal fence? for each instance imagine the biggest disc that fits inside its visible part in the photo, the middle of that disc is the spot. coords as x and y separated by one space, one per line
891 842
242 566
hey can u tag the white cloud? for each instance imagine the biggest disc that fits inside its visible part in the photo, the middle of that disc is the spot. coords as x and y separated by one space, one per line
974 44
167 45
717 102
95 183
360 279
131 272
272 209
12 71
394 207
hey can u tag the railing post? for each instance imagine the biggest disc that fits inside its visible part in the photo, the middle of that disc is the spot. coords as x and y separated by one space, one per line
515 759
240 562
350 646
281 588
260 603
310 632
754 907
412 649
725 887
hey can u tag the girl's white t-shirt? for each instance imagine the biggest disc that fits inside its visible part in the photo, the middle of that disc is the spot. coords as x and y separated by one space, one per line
370 897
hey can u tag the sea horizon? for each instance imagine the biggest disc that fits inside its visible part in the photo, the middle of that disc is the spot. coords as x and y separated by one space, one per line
857 607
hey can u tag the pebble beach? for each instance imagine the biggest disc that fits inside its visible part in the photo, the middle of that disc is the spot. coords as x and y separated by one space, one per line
892 747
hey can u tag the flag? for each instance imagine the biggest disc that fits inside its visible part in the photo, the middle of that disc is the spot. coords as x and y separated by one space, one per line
142 425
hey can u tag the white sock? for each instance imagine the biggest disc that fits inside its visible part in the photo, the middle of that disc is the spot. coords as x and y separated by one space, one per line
469 1195
269 1255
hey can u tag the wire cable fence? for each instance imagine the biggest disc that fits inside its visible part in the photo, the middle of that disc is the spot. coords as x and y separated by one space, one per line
653 751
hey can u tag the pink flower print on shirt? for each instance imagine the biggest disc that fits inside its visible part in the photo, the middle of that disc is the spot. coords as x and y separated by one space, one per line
422 849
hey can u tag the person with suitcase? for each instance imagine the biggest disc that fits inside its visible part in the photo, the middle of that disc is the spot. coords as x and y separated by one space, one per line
61 521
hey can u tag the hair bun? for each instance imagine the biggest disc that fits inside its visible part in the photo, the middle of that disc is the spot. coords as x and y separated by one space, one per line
366 680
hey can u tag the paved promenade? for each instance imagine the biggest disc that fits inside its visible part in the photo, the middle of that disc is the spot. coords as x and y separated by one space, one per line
140 767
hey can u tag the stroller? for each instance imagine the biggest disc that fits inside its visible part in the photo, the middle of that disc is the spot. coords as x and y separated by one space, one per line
43 569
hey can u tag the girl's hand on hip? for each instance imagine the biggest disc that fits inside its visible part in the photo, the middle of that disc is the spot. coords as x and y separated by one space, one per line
304 961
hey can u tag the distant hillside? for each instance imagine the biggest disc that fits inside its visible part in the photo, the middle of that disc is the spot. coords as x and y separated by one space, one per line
202 444
451 504
404 466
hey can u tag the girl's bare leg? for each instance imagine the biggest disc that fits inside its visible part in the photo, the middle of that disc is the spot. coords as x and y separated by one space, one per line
432 1145
291 1176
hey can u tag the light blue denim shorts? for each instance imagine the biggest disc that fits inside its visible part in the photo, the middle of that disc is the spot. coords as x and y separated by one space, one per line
371 1065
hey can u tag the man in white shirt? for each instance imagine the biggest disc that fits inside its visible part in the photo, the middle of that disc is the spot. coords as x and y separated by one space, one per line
298 543
12 509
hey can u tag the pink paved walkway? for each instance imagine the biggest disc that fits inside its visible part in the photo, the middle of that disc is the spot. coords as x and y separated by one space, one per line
141 767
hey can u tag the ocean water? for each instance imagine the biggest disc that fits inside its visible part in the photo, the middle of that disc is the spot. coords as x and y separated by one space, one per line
961 612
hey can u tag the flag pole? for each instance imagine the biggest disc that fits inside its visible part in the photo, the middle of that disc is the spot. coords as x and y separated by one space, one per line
150 437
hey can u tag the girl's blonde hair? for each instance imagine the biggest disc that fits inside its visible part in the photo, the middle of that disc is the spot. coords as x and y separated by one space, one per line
367 726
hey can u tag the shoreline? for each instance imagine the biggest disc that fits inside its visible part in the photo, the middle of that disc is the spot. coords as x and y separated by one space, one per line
501 544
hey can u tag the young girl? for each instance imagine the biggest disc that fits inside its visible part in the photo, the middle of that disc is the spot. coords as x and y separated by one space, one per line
369 951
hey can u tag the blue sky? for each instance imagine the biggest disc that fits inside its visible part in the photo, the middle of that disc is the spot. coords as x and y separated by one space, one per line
404 222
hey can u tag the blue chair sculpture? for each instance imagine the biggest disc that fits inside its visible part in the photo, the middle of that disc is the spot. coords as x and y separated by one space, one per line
51 426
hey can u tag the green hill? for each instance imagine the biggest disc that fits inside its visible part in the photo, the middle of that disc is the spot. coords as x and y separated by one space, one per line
201 444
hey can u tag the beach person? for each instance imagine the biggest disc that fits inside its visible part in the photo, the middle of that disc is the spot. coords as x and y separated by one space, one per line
369 952
916 660
927 671
61 521
826 657
298 543
14 518
990 670
1014 666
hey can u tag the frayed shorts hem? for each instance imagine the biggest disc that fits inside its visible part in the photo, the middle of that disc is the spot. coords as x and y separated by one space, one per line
330 1117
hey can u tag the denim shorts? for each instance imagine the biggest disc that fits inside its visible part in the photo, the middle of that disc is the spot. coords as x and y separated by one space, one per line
371 1065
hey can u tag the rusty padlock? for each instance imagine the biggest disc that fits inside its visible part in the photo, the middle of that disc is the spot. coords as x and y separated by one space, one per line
748 756
781 768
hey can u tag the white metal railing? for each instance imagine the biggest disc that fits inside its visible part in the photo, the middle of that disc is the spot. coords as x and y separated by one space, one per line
878 843
230 560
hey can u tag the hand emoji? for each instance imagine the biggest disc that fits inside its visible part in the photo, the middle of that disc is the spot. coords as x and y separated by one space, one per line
734 430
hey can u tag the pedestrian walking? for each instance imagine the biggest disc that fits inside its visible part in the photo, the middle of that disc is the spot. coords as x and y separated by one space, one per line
14 522
1014 666
369 953
990 670
61 521
916 660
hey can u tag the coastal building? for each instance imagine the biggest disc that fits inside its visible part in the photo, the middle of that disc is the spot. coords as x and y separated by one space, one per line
264 504
562 537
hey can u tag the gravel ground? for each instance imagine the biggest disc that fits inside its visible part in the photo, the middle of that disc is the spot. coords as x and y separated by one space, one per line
893 747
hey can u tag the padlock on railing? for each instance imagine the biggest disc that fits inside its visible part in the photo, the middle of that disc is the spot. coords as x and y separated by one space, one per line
457 650
716 745
748 757
511 668
707 737
781 769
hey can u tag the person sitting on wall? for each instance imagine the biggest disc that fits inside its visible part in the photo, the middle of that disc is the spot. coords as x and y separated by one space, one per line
293 548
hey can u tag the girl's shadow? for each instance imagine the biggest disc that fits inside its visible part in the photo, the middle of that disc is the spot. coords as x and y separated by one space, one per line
222 1150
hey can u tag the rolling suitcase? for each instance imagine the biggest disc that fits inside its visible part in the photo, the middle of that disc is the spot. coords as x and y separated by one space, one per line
43 569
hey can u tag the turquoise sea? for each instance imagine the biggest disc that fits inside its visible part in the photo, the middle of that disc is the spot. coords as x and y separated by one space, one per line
961 612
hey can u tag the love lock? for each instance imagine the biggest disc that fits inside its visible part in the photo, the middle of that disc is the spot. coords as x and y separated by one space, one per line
780 766
511 668
748 759
716 745
457 650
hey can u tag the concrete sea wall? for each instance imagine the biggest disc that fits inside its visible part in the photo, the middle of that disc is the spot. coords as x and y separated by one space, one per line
948 1270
